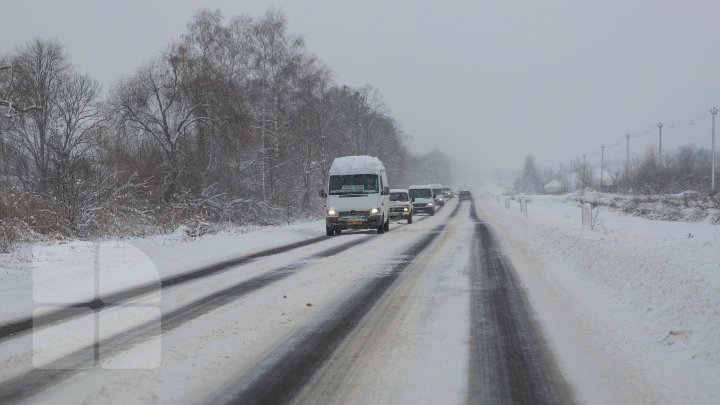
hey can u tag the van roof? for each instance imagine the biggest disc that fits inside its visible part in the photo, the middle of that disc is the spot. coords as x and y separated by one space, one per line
356 165
416 186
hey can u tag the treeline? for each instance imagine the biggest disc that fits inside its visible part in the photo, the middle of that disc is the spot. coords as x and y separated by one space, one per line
686 168
235 121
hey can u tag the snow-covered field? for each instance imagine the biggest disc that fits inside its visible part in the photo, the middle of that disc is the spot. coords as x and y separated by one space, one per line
639 298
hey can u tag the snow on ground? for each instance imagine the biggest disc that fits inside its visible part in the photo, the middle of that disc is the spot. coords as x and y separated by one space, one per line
59 273
651 290
639 299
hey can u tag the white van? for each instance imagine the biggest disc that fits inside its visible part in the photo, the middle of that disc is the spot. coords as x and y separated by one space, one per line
357 195
421 196
438 194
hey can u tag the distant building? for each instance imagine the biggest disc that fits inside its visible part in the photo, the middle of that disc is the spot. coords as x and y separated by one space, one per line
553 187
608 181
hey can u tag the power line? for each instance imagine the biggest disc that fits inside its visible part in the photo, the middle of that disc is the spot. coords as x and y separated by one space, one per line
647 132
689 123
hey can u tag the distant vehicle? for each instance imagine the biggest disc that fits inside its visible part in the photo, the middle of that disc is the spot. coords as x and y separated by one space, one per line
438 194
401 205
448 193
357 195
422 198
465 195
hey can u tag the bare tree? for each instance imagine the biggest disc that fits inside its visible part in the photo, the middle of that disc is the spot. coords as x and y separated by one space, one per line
78 114
9 105
159 103
50 135
73 162
274 56
38 69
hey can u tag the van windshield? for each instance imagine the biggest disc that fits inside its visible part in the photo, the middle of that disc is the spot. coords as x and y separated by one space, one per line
420 193
398 197
354 184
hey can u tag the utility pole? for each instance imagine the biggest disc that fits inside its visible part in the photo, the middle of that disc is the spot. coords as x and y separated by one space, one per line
714 112
602 166
627 162
660 125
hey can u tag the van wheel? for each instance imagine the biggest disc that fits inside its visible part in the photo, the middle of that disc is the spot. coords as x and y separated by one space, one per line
386 227
432 212
329 231
410 219
338 231
381 228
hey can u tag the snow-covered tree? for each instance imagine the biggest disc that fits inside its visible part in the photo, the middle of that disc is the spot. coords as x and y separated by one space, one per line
159 103
530 181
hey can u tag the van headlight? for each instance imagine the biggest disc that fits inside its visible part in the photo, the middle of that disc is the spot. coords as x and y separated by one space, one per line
405 209
430 204
374 211
331 212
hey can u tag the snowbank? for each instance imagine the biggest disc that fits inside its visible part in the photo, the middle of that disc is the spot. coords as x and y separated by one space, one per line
688 206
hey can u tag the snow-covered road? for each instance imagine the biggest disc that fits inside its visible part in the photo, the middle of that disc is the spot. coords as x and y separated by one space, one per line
410 316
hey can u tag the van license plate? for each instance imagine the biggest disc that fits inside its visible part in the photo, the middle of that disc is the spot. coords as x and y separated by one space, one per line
355 222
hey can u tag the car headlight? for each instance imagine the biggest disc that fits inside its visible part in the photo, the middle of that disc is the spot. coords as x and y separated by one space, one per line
430 204
405 209
374 211
331 212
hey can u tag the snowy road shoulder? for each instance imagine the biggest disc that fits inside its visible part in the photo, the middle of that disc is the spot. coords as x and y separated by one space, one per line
638 291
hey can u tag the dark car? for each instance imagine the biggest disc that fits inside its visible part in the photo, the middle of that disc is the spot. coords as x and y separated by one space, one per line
465 195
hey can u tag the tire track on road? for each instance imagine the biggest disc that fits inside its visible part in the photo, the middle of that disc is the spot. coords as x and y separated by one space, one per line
282 378
509 358
25 324
35 380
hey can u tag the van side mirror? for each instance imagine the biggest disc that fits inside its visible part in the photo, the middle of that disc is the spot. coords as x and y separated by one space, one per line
322 194
412 199
386 190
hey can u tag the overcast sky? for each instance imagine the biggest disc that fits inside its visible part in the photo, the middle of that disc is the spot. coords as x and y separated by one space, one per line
488 82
